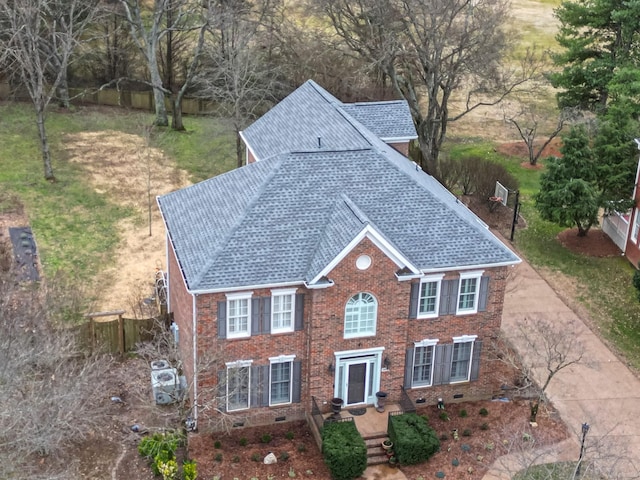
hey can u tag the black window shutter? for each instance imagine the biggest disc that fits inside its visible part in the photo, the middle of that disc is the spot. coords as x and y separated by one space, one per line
408 368
297 381
256 382
475 361
299 315
222 319
413 300
266 314
256 326
265 385
222 390
442 364
484 294
448 296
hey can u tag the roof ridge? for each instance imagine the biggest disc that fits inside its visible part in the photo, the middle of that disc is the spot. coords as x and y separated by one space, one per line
324 93
374 102
339 201
258 192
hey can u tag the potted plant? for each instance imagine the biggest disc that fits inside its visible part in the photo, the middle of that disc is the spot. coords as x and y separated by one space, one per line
387 445
336 405
393 461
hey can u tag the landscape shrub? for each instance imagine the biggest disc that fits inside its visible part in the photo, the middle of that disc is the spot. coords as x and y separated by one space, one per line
190 470
414 441
344 450
474 176
160 449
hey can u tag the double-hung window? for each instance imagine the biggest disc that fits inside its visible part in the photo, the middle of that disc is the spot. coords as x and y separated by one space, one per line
468 292
429 296
280 379
238 315
238 385
360 316
423 357
461 358
282 310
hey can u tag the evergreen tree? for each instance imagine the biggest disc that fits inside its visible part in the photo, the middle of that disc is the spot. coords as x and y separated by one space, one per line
568 193
598 37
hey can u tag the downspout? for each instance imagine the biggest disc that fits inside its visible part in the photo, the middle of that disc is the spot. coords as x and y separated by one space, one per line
194 335
166 262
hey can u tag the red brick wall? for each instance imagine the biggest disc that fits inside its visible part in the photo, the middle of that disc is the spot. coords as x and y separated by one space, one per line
180 302
257 348
402 147
632 250
323 335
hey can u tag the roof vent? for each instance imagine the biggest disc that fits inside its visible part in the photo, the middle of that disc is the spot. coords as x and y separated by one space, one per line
319 142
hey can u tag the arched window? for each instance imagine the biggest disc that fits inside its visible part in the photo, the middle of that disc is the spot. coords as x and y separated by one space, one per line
360 316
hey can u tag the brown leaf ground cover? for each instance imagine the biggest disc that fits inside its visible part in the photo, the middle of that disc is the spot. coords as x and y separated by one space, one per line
479 440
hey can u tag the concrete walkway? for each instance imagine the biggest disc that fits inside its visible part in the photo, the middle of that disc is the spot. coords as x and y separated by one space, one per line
600 391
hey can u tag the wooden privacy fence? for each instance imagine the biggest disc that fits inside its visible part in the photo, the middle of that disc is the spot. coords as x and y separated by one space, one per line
118 335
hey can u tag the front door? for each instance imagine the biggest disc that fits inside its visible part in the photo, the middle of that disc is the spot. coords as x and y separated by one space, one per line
356 382
357 376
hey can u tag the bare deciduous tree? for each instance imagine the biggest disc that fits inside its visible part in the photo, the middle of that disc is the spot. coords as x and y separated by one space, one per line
37 40
546 350
148 29
433 51
527 121
49 383
236 73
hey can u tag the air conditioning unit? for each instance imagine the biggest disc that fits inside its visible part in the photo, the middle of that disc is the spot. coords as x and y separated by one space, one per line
160 365
165 383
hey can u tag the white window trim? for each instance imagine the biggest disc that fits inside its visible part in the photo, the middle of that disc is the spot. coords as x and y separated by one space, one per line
424 343
239 364
375 320
636 226
429 279
477 274
239 296
277 360
465 339
281 292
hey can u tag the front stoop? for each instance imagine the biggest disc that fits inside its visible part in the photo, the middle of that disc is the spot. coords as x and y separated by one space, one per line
375 452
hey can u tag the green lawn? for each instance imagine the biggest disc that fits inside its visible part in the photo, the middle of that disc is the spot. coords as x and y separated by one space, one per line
73 224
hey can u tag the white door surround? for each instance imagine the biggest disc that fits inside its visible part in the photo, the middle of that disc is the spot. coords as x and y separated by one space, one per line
357 375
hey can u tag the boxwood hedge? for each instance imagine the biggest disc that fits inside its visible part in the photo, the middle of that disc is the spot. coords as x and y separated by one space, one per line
344 450
414 441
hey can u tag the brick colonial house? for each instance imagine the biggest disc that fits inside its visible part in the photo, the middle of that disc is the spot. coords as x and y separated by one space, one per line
330 266
624 228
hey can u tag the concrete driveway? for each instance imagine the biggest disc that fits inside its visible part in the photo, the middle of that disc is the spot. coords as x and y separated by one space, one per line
600 390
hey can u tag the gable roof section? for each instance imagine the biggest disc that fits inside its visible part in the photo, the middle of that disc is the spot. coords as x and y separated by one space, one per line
388 120
313 119
283 220
308 119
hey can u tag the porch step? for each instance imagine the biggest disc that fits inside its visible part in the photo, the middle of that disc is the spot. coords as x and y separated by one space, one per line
375 453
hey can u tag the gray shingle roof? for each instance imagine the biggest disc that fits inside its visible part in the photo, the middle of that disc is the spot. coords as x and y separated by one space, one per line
282 220
297 122
388 120
333 125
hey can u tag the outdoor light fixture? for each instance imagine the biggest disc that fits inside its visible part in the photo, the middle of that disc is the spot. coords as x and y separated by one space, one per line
331 368
585 430
440 404
386 362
